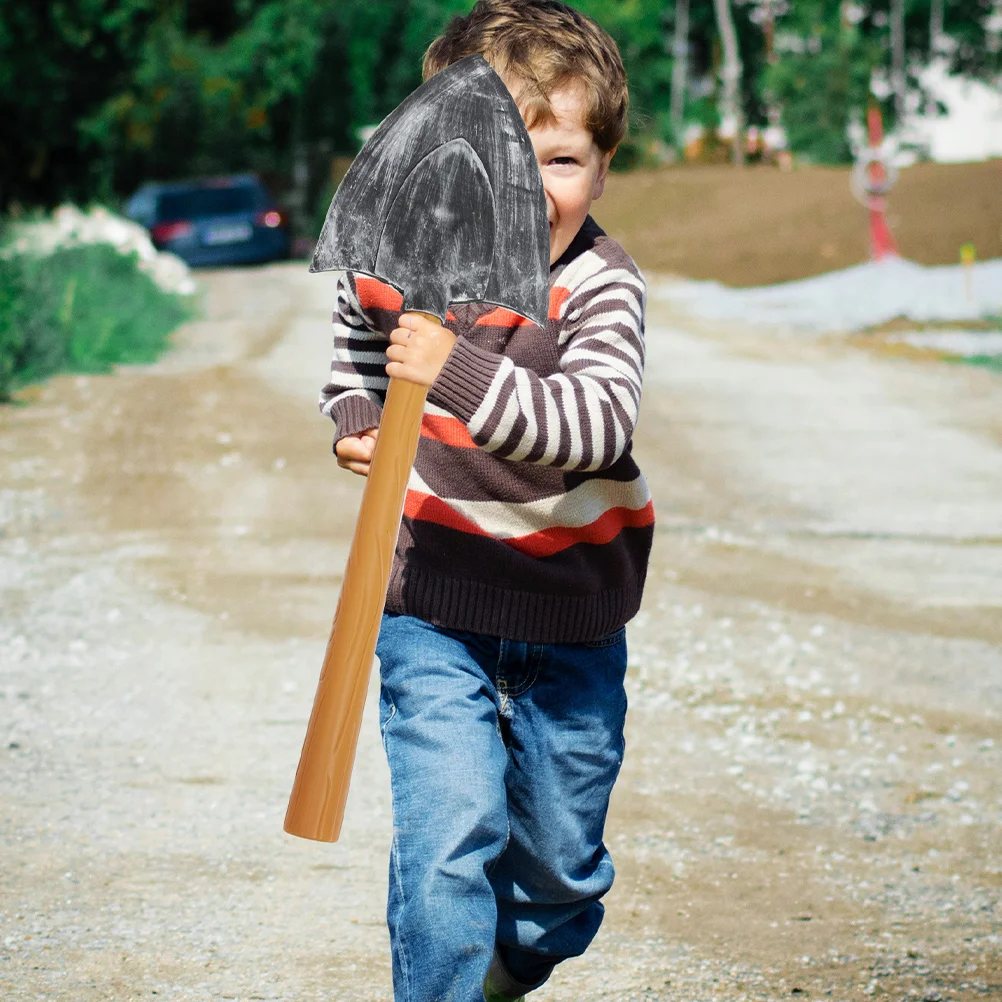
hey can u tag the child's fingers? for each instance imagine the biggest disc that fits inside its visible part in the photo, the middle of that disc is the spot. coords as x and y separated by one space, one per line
354 452
397 370
400 335
415 322
356 446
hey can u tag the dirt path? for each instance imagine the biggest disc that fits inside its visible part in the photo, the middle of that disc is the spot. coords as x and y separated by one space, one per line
811 802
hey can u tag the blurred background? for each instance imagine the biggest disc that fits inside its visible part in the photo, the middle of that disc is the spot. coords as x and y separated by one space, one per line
99 98
222 127
812 802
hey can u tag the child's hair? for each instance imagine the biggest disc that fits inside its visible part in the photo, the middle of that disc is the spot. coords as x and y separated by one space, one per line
537 46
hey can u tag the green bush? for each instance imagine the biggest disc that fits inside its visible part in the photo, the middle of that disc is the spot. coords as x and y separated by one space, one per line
993 362
80 309
11 329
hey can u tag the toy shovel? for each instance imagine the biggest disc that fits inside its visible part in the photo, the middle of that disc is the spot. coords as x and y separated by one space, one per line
445 203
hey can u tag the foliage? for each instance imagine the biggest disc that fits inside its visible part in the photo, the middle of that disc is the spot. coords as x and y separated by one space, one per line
11 331
641 31
59 60
99 95
822 80
80 309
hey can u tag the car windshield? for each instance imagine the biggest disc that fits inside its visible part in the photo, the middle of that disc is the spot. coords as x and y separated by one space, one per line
199 202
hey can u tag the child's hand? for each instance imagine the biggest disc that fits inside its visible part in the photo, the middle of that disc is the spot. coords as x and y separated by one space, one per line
418 350
354 452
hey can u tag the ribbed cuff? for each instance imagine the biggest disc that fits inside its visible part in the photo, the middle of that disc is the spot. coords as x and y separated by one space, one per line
465 379
353 415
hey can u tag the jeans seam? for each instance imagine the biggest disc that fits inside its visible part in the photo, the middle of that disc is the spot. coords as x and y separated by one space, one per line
535 658
405 963
389 718
500 682
507 838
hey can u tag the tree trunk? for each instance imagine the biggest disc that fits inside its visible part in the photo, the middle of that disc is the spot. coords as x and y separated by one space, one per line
898 80
936 15
936 44
679 70
732 77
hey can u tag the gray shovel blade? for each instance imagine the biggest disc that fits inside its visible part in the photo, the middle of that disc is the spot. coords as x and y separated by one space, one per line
445 201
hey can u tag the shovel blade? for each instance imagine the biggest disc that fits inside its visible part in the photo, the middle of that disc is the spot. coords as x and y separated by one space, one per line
445 202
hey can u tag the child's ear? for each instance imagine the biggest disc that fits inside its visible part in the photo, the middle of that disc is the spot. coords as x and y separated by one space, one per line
603 170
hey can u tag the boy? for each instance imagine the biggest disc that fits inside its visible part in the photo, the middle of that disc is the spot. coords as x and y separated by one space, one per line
522 554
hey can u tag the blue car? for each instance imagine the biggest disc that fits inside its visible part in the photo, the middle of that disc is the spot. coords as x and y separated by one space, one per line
213 221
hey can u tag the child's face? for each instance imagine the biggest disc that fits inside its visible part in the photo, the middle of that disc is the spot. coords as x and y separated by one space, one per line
573 167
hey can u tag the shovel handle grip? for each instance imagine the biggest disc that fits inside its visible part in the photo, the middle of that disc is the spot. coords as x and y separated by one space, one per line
316 806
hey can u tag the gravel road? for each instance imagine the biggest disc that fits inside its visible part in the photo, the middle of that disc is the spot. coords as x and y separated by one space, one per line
811 801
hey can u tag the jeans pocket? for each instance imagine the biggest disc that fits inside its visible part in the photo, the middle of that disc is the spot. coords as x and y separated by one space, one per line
610 641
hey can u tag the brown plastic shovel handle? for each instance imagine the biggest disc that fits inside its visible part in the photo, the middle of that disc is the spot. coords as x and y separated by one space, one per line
316 806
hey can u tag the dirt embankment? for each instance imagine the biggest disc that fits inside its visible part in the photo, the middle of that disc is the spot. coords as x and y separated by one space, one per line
760 225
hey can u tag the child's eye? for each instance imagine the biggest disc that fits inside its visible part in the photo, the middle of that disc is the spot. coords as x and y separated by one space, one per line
563 160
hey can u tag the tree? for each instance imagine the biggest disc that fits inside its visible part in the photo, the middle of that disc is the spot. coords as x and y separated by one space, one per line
59 62
821 77
679 71
899 81
732 102
638 28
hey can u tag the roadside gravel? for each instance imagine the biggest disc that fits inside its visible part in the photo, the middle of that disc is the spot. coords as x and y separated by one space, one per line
811 802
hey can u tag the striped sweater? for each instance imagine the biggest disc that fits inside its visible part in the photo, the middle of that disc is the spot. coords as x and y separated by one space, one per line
525 516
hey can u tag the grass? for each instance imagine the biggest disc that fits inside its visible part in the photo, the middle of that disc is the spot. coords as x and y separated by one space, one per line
80 309
992 362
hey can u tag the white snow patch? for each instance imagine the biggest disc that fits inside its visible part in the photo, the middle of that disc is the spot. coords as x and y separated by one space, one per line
843 301
953 342
72 227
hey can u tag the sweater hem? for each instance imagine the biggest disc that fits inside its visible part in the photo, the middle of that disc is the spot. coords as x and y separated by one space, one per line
528 617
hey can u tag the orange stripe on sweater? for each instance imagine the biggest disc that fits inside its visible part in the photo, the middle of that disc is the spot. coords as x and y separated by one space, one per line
428 508
376 295
502 318
507 318
604 529
547 542
558 296
449 430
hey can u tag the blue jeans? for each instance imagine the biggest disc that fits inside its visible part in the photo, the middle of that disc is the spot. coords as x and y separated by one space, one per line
502 758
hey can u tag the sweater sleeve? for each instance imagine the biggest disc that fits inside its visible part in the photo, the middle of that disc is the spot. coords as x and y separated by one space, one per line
581 418
354 395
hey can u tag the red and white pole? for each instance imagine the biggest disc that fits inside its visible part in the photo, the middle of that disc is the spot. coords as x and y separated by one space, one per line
882 243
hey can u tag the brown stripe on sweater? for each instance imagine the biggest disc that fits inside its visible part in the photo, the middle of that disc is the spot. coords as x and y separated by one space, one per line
584 421
484 476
